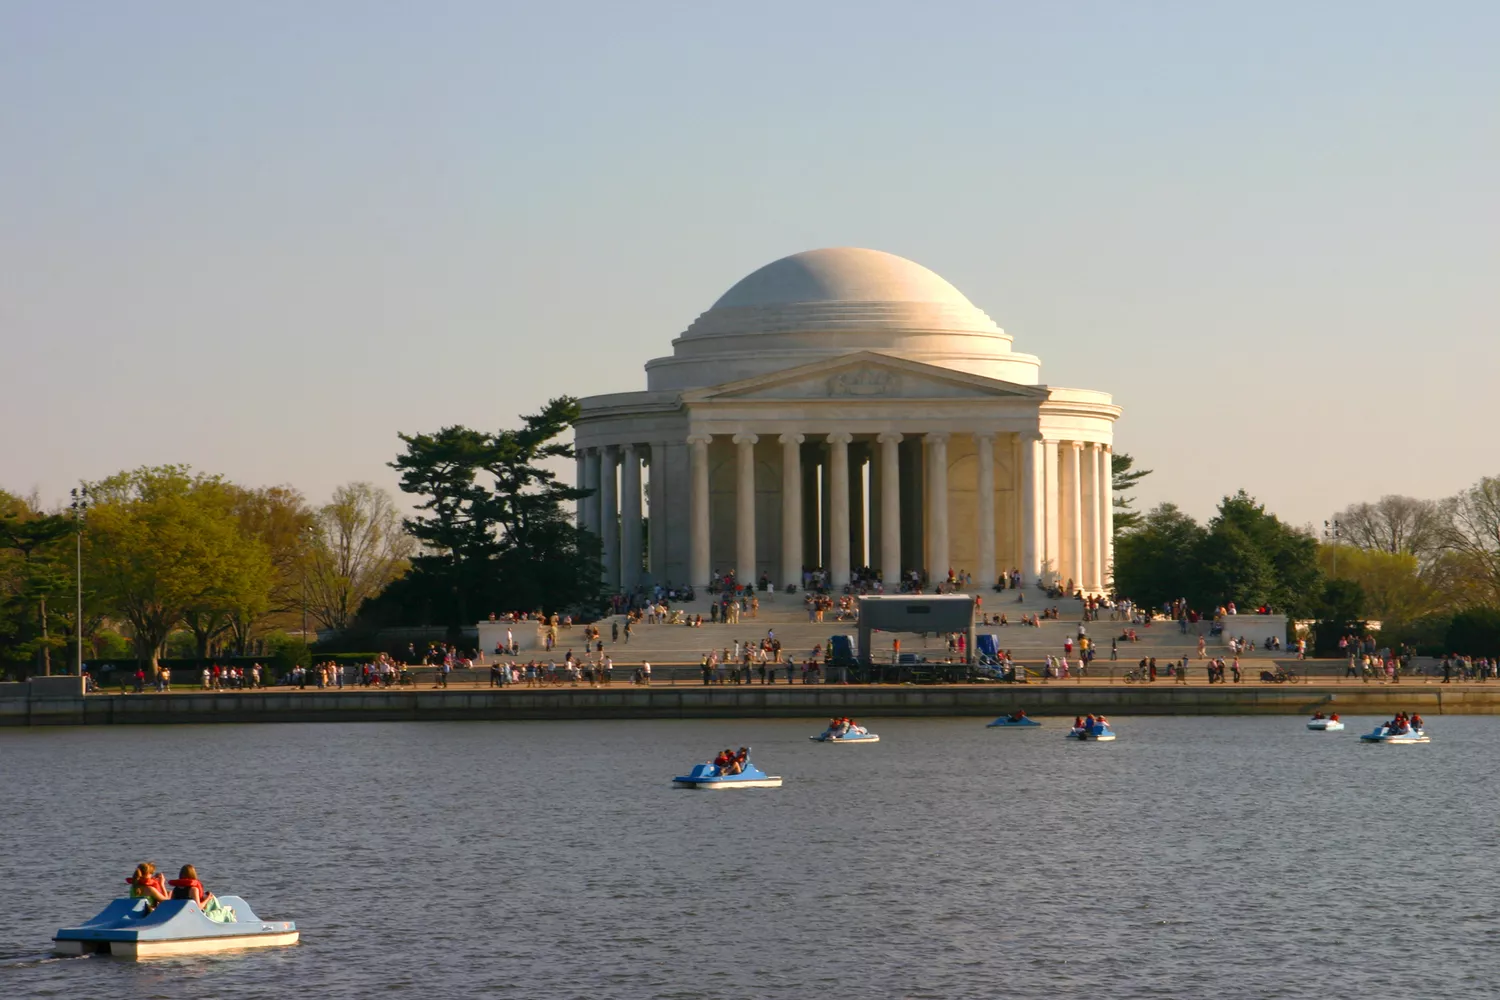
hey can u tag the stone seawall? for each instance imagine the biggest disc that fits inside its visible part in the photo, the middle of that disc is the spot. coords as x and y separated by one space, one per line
55 703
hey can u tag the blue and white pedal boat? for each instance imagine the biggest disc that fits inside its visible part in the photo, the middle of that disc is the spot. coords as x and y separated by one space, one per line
707 776
125 929
1095 733
852 736
1385 734
1007 722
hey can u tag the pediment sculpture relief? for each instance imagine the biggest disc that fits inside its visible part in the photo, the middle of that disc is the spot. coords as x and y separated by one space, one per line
864 382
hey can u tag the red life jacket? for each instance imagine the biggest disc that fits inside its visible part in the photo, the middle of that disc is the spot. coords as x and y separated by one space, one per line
188 888
149 882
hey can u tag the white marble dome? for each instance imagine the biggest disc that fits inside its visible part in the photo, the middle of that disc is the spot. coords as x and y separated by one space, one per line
823 303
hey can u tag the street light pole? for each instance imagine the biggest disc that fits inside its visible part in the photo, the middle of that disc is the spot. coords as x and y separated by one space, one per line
1333 531
79 505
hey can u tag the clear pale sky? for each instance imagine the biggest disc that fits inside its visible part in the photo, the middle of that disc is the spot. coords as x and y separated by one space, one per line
262 238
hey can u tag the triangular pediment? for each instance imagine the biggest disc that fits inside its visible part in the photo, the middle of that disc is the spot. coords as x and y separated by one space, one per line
865 375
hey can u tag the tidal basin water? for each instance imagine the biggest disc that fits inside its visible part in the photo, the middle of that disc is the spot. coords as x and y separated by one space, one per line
1242 857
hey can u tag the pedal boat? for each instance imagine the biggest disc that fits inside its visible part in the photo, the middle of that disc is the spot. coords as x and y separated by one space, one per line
852 736
706 776
124 929
1094 733
1385 734
1006 722
1325 725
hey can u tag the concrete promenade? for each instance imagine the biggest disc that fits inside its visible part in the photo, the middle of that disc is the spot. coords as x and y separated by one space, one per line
59 701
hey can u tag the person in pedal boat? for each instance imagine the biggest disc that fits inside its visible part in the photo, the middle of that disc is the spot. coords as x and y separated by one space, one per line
187 886
729 762
146 883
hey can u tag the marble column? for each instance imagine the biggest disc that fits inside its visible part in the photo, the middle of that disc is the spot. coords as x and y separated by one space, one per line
698 569
1093 561
791 508
1073 520
838 508
985 444
937 497
858 558
630 518
1051 493
1106 518
579 478
1033 510
656 509
890 511
1013 555
744 511
590 518
609 515
812 534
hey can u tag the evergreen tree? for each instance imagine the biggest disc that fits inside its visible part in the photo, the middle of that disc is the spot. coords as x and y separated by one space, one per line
497 533
1123 479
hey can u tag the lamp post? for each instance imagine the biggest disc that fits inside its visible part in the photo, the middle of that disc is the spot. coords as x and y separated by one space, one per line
1332 532
78 506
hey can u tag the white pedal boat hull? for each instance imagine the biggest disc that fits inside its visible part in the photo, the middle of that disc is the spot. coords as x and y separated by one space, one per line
125 929
721 785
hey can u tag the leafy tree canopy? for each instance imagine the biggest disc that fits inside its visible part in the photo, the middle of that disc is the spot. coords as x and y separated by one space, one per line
164 546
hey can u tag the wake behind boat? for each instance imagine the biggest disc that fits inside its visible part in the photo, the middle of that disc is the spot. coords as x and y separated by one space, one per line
129 928
1325 724
728 770
845 731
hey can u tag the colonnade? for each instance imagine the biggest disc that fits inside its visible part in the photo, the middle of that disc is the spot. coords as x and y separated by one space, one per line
1064 515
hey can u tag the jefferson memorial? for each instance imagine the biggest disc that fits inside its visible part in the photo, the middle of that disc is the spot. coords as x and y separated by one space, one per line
847 408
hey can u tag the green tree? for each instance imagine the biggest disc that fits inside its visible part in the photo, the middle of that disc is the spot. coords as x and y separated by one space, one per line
282 521
163 546
1475 632
1157 562
1394 587
34 577
1124 478
1233 567
1340 612
496 532
1294 583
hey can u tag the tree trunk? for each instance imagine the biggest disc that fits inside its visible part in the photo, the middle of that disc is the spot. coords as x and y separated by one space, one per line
46 649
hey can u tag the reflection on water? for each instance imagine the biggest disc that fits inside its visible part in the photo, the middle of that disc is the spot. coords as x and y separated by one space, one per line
1233 857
